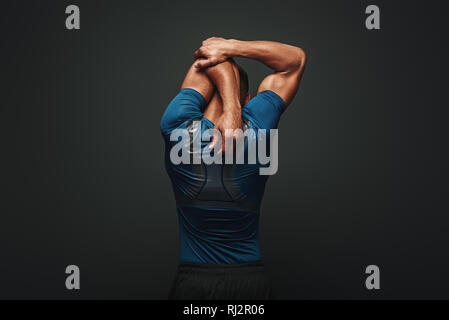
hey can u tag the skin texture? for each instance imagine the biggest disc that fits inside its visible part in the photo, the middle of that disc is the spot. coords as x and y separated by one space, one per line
224 108
215 75
286 61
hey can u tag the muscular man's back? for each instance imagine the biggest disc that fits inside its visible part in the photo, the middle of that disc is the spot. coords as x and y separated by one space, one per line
218 204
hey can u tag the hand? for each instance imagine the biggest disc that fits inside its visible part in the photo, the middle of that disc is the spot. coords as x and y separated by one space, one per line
213 51
227 125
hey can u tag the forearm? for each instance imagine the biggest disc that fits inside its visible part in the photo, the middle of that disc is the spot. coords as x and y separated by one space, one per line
277 56
198 80
221 77
225 80
287 61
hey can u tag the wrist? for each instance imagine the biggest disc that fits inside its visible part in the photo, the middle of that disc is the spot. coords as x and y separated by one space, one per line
232 49
233 111
231 102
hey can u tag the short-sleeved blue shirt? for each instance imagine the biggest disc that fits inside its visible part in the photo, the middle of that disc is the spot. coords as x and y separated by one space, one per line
217 204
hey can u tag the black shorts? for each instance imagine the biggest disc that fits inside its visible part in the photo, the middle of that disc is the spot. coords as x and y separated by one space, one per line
246 281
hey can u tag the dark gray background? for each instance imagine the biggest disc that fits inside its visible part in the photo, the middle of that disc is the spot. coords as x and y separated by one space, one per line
363 147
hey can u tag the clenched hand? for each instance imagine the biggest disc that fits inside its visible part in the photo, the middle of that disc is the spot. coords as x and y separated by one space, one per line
214 51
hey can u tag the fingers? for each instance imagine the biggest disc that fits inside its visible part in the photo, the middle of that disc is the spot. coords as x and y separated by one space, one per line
197 54
205 63
201 52
200 63
219 138
215 140
223 144
238 134
228 139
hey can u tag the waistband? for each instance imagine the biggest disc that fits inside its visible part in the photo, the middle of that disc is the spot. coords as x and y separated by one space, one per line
253 266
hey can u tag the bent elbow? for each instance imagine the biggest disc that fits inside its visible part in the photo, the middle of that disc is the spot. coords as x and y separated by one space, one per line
297 60
301 58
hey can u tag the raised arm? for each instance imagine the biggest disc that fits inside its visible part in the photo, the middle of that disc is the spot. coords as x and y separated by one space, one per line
287 61
224 78
221 76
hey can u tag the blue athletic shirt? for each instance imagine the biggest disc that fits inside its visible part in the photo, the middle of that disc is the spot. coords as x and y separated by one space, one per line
218 204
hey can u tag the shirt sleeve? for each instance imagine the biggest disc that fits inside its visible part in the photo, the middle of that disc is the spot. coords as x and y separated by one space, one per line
188 104
264 110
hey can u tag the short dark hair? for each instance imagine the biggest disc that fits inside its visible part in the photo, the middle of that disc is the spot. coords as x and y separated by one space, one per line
244 84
